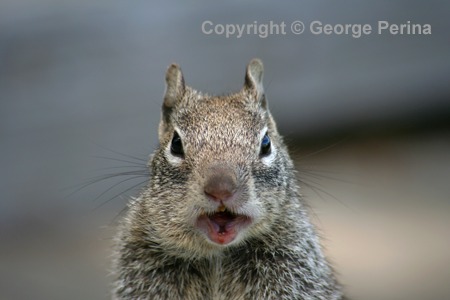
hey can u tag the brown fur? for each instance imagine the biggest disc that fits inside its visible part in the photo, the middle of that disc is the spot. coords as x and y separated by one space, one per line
160 252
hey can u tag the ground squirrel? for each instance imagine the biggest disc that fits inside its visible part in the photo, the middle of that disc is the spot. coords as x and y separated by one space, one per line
221 217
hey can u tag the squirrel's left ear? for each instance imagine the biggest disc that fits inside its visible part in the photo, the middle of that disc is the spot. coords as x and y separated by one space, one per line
254 80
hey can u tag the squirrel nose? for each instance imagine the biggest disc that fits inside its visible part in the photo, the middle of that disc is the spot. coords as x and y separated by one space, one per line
221 185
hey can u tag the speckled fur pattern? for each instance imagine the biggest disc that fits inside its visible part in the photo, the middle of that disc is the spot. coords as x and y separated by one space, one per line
160 254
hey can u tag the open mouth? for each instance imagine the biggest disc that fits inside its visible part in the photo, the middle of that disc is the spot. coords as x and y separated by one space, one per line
222 226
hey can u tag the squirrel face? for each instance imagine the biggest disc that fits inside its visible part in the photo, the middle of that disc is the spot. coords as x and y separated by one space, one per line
218 176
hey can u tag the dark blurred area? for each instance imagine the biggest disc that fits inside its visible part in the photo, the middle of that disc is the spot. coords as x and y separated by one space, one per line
367 120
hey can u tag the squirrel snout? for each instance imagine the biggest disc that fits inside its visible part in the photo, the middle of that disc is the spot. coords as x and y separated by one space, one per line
221 184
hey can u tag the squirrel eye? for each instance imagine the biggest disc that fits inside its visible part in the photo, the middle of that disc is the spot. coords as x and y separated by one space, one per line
176 147
265 145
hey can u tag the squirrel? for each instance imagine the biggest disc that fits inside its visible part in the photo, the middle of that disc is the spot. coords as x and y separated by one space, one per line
221 216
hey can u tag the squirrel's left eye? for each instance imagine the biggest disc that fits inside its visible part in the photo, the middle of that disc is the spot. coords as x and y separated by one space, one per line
265 146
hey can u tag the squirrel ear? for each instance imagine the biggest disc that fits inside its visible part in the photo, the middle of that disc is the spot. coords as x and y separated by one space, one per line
254 79
174 86
175 89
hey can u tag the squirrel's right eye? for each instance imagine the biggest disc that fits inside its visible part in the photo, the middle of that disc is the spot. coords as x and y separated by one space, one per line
176 147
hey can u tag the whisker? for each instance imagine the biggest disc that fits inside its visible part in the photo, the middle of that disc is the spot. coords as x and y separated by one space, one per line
108 176
321 176
119 153
314 185
324 149
128 189
119 214
123 167
114 185
316 170
118 159
81 186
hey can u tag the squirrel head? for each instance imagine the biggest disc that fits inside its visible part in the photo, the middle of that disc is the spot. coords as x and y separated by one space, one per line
219 175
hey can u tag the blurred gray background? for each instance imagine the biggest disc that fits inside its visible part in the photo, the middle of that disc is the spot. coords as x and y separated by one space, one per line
367 120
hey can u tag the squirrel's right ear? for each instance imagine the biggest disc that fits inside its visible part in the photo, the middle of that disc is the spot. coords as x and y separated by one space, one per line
175 88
